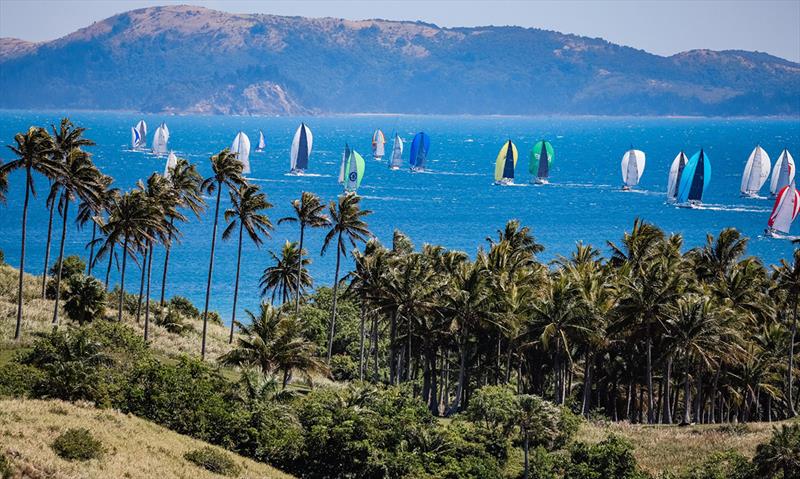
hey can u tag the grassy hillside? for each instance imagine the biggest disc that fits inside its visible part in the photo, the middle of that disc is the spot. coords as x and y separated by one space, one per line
135 448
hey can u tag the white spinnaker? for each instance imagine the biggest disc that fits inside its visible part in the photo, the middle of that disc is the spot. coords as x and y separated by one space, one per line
782 173
241 146
675 172
397 152
160 138
633 163
787 205
756 171
172 161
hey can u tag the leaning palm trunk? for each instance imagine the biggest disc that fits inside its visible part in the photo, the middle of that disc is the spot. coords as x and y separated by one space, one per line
141 287
166 263
28 182
335 290
236 285
91 249
299 270
122 277
108 269
60 260
210 271
47 250
147 298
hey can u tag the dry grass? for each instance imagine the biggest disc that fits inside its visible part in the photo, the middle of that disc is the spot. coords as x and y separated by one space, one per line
673 448
134 448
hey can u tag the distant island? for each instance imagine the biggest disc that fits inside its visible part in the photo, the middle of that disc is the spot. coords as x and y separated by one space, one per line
185 59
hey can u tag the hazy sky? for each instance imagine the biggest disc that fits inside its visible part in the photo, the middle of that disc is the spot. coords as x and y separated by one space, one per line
659 26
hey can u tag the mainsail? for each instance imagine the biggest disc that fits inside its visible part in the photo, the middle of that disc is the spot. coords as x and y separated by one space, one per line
301 148
134 138
633 162
419 150
261 143
241 146
141 128
675 174
783 173
355 171
541 160
505 162
756 171
378 142
172 162
787 206
694 179
397 153
345 157
160 139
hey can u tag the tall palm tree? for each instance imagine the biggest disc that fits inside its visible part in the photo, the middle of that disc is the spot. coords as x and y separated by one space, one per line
281 277
34 153
185 182
3 183
348 225
227 172
309 211
247 205
92 211
787 277
77 179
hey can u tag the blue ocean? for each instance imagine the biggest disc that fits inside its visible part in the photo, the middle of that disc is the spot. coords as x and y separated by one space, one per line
454 204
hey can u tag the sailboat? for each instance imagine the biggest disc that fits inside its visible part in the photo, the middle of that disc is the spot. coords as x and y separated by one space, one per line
261 143
354 170
783 173
397 153
241 146
172 162
345 156
505 163
378 142
139 136
756 171
418 154
160 139
675 174
301 149
694 180
787 206
633 162
541 161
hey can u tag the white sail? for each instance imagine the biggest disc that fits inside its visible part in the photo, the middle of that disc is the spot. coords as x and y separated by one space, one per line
787 205
756 171
241 146
166 130
397 153
160 139
345 154
782 173
261 143
172 161
134 138
675 172
302 144
633 162
378 142
141 127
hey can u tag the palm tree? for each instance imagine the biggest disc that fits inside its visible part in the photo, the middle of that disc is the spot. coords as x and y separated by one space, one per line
185 182
92 211
3 183
247 206
34 153
273 342
347 224
281 278
717 257
309 211
227 172
787 277
78 178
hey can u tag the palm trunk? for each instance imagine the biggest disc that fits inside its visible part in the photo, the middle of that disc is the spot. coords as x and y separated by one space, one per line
47 248
108 269
147 298
299 269
61 259
790 391
28 181
687 390
587 385
392 348
210 272
91 249
236 284
166 263
141 286
122 277
462 366
649 374
666 417
335 290
361 345
375 345
525 432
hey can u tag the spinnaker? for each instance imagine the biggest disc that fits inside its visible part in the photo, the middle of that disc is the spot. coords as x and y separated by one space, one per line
784 212
505 163
694 179
633 162
541 160
301 149
418 154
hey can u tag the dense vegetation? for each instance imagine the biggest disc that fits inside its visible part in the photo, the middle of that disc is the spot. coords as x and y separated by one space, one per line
510 350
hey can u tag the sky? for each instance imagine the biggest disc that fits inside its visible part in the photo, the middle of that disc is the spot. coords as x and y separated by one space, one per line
663 27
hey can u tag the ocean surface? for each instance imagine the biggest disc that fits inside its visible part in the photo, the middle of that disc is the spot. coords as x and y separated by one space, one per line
455 204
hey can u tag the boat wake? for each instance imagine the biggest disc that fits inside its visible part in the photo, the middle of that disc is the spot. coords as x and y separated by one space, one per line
266 180
735 208
386 198
310 175
448 173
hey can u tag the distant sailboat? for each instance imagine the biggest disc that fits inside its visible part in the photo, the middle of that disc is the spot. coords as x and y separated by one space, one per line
756 172
241 146
172 162
783 173
139 136
787 206
135 138
397 153
694 180
418 154
504 164
675 174
633 162
301 149
541 161
354 168
345 156
378 143
261 143
160 140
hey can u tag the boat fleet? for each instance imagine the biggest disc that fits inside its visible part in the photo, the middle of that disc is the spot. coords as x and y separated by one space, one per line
688 179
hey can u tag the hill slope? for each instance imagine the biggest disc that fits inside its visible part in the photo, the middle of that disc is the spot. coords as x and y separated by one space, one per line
192 59
135 448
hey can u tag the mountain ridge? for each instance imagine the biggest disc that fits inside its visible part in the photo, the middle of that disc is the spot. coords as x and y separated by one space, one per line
197 60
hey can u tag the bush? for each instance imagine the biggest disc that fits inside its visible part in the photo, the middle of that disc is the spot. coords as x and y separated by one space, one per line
214 317
612 457
343 368
77 445
130 301
213 460
495 408
85 299
781 454
721 465
2 257
72 265
171 320
18 380
184 306
5 467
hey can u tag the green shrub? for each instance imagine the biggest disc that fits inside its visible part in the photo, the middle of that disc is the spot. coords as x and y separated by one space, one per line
214 317
85 299
2 257
213 460
130 301
343 368
184 306
781 454
77 445
72 265
612 457
18 380
6 472
171 320
495 408
721 465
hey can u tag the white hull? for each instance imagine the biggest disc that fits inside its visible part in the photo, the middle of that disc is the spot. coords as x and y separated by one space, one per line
415 169
504 182
541 181
692 204
297 172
